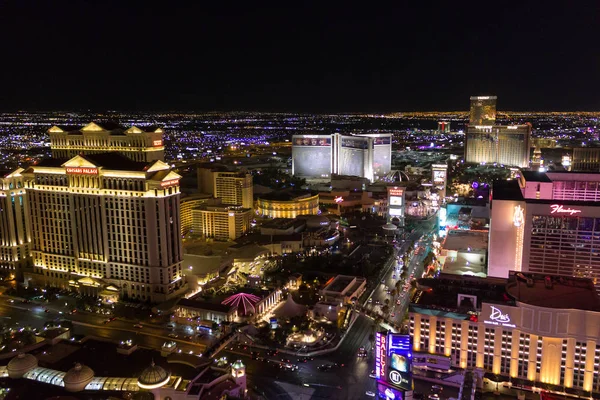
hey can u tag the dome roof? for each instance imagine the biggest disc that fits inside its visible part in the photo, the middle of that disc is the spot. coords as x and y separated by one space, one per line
317 221
78 377
390 227
238 364
153 377
20 364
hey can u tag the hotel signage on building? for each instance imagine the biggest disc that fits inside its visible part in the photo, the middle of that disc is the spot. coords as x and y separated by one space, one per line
172 182
82 170
395 192
157 143
380 355
494 315
560 209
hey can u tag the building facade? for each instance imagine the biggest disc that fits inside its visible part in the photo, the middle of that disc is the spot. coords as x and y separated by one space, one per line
15 231
222 223
233 188
525 341
144 144
287 204
586 159
483 110
317 157
105 216
188 204
506 145
546 223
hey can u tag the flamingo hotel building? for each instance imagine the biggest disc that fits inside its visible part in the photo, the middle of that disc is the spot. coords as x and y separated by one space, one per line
529 330
546 223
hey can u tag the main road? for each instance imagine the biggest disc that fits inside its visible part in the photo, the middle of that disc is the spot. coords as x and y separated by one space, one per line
29 314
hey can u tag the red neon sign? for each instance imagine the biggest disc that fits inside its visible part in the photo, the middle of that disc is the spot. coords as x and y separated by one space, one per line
559 209
396 192
172 182
82 170
382 354
157 143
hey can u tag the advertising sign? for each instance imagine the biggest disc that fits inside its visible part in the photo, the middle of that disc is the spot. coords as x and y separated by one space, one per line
395 201
380 355
400 361
382 140
312 141
395 192
82 170
388 393
354 143
157 142
499 316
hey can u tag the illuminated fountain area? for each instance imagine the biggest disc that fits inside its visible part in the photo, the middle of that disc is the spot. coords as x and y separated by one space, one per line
306 338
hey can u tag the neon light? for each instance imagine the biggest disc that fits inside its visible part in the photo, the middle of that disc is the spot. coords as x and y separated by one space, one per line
157 143
518 217
498 318
557 208
338 199
82 170
395 192
382 357
247 300
172 182
377 355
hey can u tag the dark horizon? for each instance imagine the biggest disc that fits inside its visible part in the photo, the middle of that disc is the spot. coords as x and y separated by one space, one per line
298 58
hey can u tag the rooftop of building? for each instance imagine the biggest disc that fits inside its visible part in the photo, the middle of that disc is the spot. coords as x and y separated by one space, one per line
287 195
442 293
466 240
113 127
553 291
535 176
341 282
283 223
506 190
110 160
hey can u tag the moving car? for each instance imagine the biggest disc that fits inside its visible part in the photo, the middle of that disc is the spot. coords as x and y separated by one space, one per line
369 393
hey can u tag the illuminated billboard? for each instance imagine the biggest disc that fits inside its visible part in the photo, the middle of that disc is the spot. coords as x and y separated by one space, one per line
388 393
395 201
396 212
355 143
308 140
439 177
382 141
400 361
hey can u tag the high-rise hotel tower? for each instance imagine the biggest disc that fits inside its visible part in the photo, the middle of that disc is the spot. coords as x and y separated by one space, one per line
486 142
107 217
138 143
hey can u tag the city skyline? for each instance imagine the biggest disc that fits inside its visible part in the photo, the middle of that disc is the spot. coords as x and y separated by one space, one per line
297 58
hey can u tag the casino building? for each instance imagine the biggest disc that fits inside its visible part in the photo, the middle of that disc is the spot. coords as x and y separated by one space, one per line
529 329
316 157
287 204
137 143
546 223
105 217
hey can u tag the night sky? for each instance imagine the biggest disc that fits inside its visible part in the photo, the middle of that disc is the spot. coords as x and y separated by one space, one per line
101 55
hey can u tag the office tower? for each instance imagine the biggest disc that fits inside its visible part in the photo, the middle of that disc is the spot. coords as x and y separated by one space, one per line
105 217
143 144
547 223
483 110
233 188
505 145
15 237
316 157
443 127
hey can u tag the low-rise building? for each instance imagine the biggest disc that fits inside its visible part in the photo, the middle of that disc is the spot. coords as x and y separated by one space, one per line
464 253
287 204
344 288
222 223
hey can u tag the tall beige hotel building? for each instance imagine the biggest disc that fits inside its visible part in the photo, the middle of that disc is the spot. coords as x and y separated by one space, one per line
102 215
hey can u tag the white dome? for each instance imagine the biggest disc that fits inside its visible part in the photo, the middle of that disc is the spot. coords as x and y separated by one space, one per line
18 366
77 378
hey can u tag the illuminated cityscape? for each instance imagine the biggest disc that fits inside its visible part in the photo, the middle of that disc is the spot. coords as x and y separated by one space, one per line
217 202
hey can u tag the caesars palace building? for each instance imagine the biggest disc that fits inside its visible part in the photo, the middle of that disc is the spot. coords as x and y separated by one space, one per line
529 329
